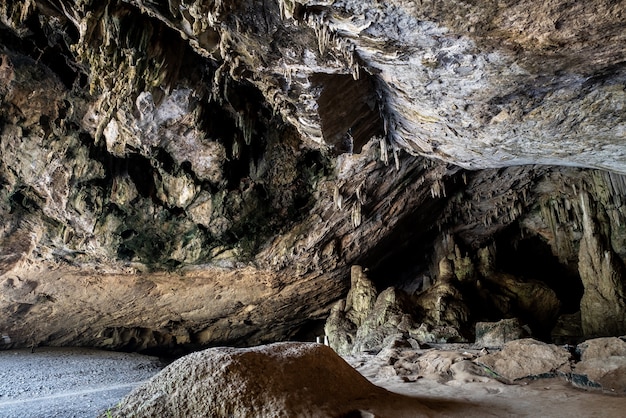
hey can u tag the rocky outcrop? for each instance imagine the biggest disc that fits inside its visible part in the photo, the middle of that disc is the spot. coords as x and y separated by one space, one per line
288 379
527 358
182 174
373 320
602 364
497 334
603 305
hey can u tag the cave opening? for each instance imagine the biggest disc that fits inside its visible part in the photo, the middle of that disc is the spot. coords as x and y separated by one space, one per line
349 110
403 257
531 258
45 45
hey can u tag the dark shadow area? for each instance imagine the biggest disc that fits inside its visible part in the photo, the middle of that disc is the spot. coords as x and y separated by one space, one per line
349 111
531 258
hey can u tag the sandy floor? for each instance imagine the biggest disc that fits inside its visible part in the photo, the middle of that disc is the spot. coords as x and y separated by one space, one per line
62 382
81 383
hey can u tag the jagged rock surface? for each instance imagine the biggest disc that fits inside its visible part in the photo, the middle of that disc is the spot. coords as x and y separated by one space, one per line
192 173
497 334
603 364
527 358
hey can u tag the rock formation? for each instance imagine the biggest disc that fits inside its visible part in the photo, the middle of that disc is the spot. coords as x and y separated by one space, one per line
186 173
277 380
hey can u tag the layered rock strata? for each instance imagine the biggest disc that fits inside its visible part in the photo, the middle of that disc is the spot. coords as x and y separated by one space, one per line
186 173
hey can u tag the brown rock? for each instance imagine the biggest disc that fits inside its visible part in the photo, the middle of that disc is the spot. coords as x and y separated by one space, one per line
278 380
497 334
599 348
603 305
603 364
361 296
527 358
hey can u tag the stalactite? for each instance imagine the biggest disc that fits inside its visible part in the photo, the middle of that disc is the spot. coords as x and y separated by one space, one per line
360 195
396 159
323 33
246 125
356 214
236 153
384 156
337 198
437 189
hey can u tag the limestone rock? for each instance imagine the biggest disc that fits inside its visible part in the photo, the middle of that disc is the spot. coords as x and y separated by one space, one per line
184 175
527 358
603 365
497 334
426 334
278 380
341 332
599 348
532 300
568 329
442 304
361 296
390 316
603 305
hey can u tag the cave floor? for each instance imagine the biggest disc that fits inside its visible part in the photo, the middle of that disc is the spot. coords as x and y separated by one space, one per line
467 395
72 382
68 382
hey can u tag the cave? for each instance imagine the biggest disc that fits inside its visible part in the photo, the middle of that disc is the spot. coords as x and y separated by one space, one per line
182 176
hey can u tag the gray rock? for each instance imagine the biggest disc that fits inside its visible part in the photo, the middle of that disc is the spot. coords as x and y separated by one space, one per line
603 305
496 334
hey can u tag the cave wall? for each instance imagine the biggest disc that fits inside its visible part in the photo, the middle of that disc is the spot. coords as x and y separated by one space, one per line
185 174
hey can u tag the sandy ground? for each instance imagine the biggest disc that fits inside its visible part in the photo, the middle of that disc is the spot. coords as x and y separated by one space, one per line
55 382
68 382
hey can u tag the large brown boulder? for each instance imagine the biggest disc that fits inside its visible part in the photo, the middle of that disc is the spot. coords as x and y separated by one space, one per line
602 365
527 358
278 380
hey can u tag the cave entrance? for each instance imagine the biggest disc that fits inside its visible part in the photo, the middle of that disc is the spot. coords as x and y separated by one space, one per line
348 110
532 258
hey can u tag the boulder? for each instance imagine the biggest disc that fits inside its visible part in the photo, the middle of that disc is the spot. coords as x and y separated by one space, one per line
277 380
602 365
599 348
528 358
426 334
496 334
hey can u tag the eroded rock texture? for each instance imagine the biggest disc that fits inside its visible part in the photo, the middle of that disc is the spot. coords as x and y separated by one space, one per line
188 173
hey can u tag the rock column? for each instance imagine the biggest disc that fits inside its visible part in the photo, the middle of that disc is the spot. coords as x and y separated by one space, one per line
603 305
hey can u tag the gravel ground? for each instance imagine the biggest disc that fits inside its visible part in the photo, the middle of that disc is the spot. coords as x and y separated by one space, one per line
68 382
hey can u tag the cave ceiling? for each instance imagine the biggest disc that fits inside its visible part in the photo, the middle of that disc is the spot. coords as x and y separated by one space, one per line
188 173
